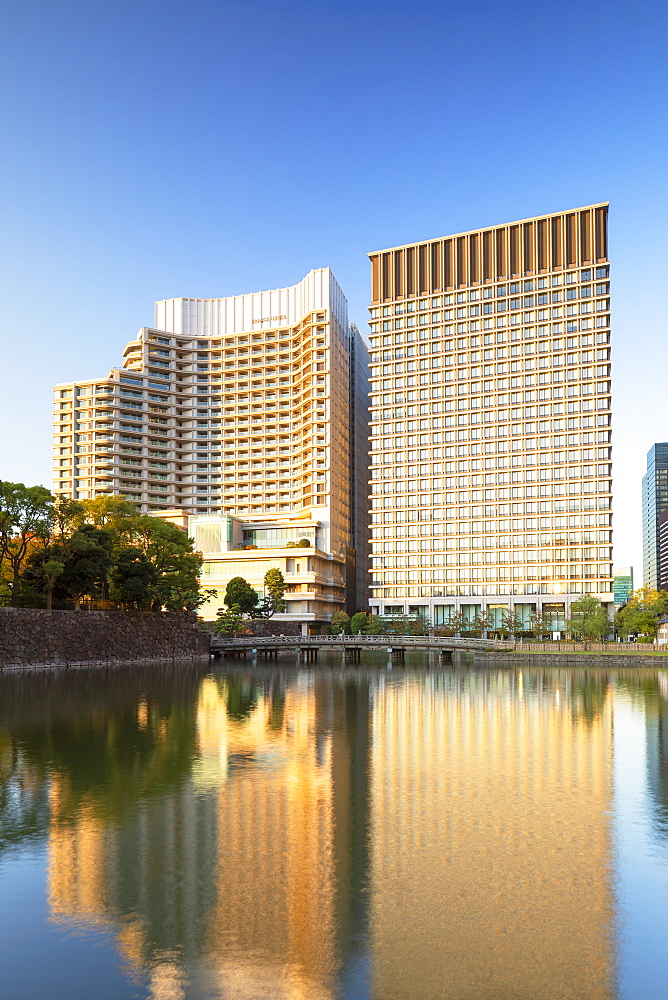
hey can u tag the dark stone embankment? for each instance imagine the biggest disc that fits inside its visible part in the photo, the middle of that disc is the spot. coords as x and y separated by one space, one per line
36 638
593 658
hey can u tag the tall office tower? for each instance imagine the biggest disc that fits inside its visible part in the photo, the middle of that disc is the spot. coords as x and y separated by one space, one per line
490 408
241 405
654 503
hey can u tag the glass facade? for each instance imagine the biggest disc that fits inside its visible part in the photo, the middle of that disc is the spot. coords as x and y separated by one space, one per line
654 502
622 585
276 538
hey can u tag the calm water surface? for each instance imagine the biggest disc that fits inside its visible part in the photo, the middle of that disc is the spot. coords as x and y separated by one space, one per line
311 834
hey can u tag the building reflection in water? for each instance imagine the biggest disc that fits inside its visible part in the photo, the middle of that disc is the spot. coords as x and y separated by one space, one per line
490 833
239 881
656 723
270 833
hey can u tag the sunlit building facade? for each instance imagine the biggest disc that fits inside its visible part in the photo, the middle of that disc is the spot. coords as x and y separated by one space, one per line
491 420
315 580
251 406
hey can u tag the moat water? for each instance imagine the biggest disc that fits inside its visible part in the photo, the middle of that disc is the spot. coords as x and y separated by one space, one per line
312 833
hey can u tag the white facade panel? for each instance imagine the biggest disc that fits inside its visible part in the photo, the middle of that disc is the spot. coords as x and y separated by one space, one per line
254 311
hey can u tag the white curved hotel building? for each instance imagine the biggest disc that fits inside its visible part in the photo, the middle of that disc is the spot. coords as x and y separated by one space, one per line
249 409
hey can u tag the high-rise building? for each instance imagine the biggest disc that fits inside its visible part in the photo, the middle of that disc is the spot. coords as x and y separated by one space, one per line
654 503
622 585
358 595
252 407
491 421
662 544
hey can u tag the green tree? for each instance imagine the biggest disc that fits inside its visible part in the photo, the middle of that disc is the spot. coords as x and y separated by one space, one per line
68 515
183 599
274 585
228 620
374 625
239 592
482 623
339 623
26 517
172 553
541 625
358 623
45 564
589 619
133 578
641 615
304 543
453 626
115 515
511 624
52 570
263 610
87 563
418 625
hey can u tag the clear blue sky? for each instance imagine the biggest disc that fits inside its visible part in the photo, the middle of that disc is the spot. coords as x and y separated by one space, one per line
156 149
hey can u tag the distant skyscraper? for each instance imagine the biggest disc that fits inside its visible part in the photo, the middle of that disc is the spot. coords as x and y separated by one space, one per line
662 541
654 503
491 423
622 584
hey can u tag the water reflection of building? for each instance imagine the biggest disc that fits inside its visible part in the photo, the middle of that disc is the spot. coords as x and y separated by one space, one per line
656 716
286 841
485 798
491 843
240 873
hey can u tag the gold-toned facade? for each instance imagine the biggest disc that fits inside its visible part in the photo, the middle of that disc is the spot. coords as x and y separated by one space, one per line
491 419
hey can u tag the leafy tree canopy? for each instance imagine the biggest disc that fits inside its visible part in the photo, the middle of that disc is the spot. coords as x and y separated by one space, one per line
228 620
87 562
274 584
133 579
26 515
339 623
589 619
239 592
358 623
641 615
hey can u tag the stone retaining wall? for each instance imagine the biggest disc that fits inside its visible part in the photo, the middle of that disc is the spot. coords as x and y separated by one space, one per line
36 638
590 661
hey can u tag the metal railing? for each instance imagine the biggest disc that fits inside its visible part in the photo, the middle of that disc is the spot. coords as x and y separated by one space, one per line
293 641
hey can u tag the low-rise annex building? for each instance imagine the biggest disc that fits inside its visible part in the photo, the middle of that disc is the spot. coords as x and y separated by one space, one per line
230 546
